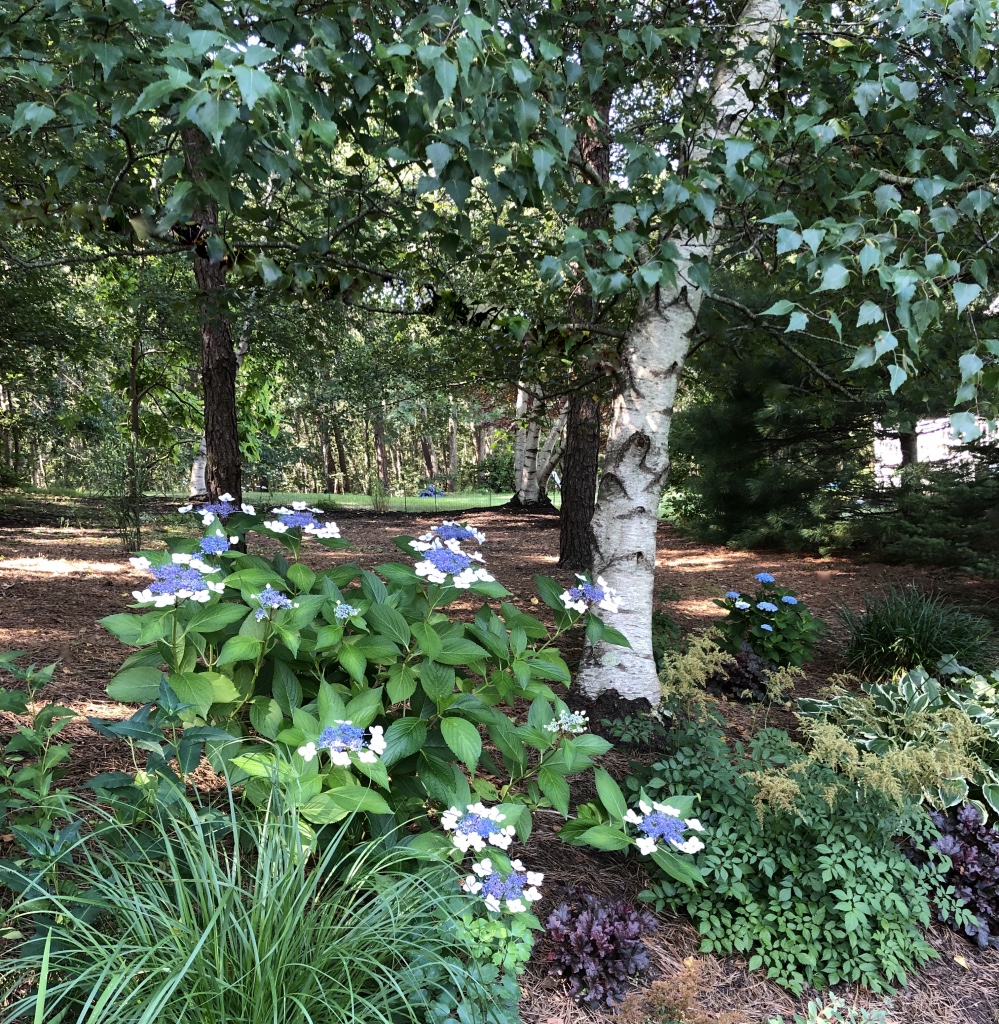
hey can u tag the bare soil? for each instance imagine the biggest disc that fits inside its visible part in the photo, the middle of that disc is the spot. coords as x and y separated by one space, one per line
58 579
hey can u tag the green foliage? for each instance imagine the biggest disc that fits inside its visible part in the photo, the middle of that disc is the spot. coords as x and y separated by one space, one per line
832 1009
902 629
208 914
639 730
773 622
802 874
31 762
392 663
914 738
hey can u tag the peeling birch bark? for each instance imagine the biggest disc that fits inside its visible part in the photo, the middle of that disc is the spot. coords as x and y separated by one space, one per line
637 456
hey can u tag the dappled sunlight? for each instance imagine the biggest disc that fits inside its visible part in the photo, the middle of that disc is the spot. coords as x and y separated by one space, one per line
40 566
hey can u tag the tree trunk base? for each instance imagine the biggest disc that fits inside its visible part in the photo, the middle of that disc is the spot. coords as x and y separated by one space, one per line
543 506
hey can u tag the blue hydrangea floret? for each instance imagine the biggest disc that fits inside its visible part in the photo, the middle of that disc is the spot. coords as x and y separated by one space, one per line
764 577
442 559
343 611
788 599
224 507
476 826
271 600
586 593
343 739
301 517
182 578
661 827
767 606
512 890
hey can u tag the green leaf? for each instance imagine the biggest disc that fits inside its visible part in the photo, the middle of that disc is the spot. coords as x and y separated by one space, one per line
438 681
965 294
428 639
359 798
834 277
139 685
543 160
238 648
787 241
779 308
403 737
554 786
213 116
865 357
897 377
610 794
329 707
195 688
352 661
869 313
680 870
302 577
447 77
213 617
464 741
459 651
389 623
401 684
605 837
363 709
797 321
127 628
266 716
253 83
439 154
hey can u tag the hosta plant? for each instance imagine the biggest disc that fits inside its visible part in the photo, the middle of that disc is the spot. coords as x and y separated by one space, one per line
360 677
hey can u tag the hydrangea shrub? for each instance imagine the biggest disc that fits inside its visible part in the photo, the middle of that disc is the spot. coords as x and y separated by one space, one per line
370 697
772 621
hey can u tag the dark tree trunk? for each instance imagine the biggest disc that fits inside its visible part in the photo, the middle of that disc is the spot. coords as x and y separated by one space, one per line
326 456
579 481
381 457
909 441
429 456
218 354
341 455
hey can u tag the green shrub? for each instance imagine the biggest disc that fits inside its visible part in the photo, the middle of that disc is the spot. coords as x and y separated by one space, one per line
772 622
902 629
802 874
211 916
303 659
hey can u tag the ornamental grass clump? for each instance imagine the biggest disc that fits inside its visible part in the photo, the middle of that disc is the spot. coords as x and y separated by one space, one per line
208 916
905 628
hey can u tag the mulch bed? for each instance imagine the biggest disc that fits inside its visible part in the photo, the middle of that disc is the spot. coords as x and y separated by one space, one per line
57 580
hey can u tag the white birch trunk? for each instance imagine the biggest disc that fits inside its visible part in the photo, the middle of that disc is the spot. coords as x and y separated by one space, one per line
549 453
525 451
637 455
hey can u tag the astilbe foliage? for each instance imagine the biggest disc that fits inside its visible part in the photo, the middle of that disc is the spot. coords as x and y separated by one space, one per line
973 849
596 945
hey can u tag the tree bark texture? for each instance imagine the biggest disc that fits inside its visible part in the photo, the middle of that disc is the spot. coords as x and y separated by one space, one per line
579 480
637 455
223 463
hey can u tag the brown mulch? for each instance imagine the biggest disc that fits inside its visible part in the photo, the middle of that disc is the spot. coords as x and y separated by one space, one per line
57 581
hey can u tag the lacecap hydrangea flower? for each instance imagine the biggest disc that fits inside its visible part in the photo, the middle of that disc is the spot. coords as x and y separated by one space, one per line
271 600
579 598
216 543
448 530
344 611
221 509
180 579
343 738
442 559
301 517
476 826
514 889
661 827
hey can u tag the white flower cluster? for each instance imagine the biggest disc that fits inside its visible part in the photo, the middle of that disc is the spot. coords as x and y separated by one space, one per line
570 723
662 824
223 508
476 826
580 598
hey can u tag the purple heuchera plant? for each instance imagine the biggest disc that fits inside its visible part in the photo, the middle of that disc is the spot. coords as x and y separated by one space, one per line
596 945
973 848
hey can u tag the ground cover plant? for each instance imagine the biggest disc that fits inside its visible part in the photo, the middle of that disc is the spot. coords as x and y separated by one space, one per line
802 874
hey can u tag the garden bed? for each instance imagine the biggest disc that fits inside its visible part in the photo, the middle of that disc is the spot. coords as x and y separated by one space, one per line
56 581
